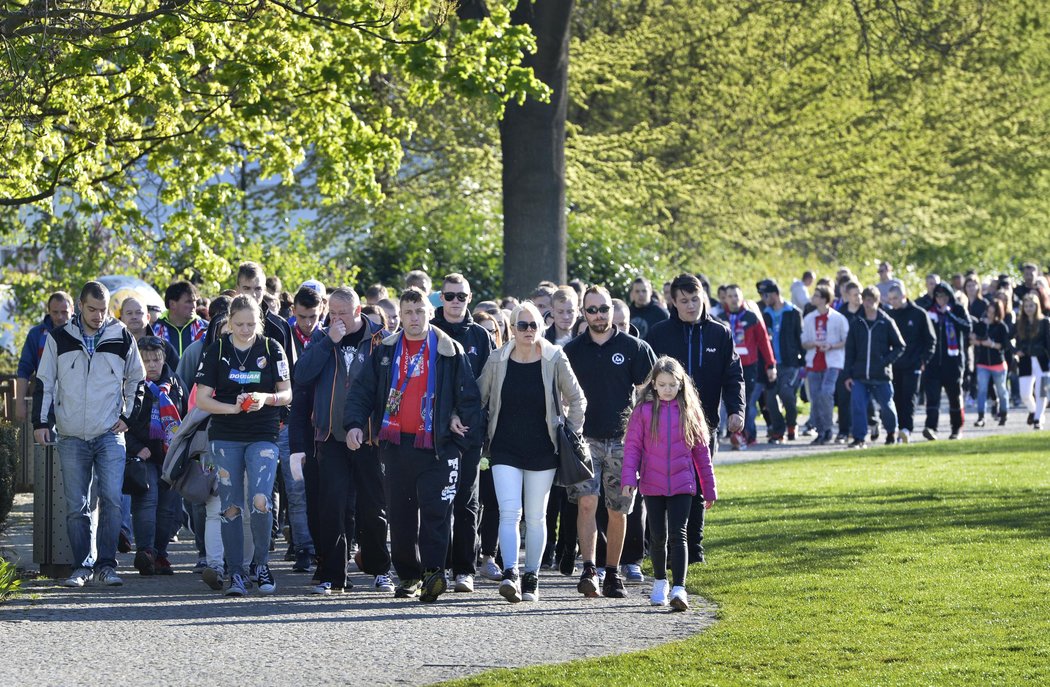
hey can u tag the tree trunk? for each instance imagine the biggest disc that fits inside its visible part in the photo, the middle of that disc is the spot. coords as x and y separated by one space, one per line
532 139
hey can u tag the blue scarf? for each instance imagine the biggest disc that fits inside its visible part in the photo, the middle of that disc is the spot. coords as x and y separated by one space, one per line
390 431
164 418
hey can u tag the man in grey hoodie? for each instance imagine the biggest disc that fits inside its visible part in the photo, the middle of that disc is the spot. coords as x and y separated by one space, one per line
92 373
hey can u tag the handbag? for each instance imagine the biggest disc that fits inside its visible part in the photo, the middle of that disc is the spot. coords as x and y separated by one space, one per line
136 479
197 483
574 454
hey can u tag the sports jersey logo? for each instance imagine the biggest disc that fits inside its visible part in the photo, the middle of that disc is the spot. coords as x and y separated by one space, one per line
260 362
618 358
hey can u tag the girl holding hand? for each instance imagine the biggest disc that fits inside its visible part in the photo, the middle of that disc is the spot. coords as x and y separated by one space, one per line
666 444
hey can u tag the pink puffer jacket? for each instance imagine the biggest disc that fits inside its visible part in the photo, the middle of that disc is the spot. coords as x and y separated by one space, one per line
667 465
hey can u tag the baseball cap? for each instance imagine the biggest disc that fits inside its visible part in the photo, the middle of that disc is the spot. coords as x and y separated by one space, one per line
313 284
768 286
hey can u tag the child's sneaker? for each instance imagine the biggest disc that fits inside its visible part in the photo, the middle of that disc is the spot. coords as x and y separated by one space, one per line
659 595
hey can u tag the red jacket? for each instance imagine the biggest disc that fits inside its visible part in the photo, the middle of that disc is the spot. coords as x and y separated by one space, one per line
751 338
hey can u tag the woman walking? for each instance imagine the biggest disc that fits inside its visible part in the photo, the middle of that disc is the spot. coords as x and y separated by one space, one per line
518 389
1033 356
242 381
991 344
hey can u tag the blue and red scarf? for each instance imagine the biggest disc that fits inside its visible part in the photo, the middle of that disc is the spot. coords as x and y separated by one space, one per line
391 430
164 418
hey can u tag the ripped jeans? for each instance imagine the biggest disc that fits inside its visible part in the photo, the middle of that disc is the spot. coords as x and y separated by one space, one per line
235 459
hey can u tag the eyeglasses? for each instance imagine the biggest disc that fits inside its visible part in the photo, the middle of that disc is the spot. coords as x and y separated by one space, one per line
523 326
595 309
455 296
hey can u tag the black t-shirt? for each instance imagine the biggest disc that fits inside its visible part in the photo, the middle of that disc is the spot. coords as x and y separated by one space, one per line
608 375
522 439
348 346
232 372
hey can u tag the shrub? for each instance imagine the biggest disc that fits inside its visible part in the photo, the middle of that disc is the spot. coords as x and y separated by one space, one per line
8 466
10 582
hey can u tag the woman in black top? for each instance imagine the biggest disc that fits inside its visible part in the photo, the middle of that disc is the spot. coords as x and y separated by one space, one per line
1033 356
517 389
242 381
991 344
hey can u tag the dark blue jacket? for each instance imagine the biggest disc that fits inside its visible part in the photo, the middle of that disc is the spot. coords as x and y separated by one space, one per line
476 342
33 348
713 365
872 347
455 389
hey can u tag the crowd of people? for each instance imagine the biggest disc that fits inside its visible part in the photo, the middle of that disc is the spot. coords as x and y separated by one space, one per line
415 437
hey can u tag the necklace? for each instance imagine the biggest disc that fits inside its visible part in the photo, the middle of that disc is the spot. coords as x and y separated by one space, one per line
241 362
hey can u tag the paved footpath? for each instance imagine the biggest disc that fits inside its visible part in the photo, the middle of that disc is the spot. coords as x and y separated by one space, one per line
174 630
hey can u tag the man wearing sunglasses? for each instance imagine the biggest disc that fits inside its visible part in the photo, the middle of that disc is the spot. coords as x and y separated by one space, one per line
453 318
609 365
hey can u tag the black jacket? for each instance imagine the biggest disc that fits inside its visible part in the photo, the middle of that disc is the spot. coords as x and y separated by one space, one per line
714 365
791 353
920 339
997 332
137 436
456 391
322 383
963 325
475 341
1037 345
872 346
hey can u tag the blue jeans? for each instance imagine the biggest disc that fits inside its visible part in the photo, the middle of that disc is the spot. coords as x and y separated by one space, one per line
104 457
784 389
860 396
821 386
155 514
997 377
296 492
259 459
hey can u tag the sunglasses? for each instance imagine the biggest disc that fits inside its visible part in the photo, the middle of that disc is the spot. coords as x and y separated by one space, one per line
595 309
522 326
451 296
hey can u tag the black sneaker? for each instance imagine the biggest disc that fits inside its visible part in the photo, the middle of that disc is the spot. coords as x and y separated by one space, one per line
434 585
873 430
1002 419
508 587
1031 418
979 422
124 541
264 578
891 438
929 434
303 561
407 589
144 562
612 587
588 584
954 435
289 555
858 443
530 583
567 564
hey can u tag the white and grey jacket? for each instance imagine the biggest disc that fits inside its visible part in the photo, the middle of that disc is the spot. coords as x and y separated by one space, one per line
89 393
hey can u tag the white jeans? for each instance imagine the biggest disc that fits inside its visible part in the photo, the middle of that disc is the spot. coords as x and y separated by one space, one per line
1032 390
510 483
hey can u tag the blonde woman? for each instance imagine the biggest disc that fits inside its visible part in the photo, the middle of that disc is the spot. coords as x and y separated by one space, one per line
1033 356
517 387
242 380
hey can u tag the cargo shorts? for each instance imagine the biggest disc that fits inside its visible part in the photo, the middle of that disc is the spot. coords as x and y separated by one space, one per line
607 455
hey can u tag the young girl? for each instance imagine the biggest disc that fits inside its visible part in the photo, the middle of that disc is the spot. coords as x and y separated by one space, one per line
666 441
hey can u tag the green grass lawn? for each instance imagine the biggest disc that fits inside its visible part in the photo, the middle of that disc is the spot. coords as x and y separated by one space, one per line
925 565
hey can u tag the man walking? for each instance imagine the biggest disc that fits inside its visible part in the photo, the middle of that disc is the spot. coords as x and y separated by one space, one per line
784 323
872 345
59 309
705 348
419 392
180 326
920 342
92 372
824 333
608 364
454 319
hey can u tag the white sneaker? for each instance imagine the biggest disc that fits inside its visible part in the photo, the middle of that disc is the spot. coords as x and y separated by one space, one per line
489 570
904 436
679 599
383 583
322 589
659 595
79 578
464 583
107 576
